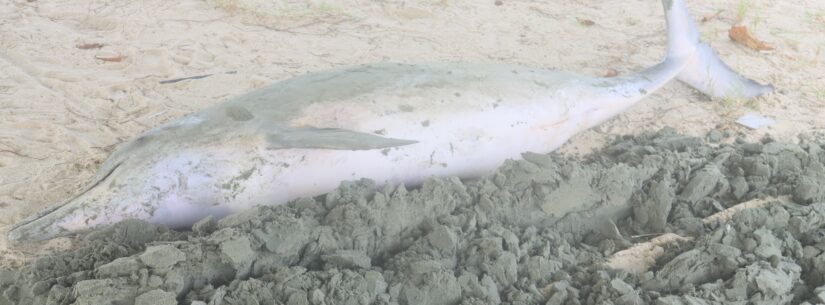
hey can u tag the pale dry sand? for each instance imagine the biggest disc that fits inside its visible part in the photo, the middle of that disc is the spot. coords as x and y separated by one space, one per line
62 108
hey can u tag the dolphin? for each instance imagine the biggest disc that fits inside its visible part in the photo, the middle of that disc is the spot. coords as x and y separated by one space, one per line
389 122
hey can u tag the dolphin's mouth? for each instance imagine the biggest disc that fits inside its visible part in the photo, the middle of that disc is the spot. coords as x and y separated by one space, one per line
49 210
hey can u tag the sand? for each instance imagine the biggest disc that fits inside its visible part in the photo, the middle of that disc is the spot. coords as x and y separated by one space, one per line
66 103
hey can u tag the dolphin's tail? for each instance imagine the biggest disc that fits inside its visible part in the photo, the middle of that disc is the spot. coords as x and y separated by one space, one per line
703 71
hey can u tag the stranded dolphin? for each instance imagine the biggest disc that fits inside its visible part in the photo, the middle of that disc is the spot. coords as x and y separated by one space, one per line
393 123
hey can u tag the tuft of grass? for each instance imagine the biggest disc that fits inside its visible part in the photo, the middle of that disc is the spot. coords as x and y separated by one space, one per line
820 94
816 18
737 100
326 8
230 6
742 9
731 103
284 14
706 35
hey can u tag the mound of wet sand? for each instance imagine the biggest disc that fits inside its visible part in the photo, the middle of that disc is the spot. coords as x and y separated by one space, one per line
657 218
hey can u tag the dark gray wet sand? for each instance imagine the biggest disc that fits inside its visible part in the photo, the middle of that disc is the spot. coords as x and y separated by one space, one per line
542 230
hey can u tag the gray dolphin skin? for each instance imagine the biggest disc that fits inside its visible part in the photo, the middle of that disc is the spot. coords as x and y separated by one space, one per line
392 123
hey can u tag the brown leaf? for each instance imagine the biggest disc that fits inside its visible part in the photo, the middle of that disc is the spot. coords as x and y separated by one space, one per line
585 22
741 35
118 58
710 16
87 46
610 73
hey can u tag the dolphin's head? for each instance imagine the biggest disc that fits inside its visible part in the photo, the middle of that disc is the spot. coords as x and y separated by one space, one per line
139 178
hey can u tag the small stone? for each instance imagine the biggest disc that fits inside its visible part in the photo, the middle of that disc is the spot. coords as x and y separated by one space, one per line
156 297
104 291
58 294
154 281
558 298
752 148
348 259
162 256
749 244
768 246
442 239
621 287
120 266
175 281
470 286
11 293
820 294
298 298
739 187
205 226
6 277
41 287
703 184
238 252
715 136
439 287
375 283
316 297
504 269
491 289
538 267
808 190
669 300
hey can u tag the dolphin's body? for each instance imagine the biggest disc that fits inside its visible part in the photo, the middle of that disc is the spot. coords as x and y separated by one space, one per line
396 123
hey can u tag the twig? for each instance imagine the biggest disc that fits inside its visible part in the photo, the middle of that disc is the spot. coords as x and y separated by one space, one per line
16 152
175 80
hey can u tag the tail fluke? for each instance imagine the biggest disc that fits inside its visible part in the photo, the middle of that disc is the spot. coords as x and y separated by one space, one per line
708 74
703 71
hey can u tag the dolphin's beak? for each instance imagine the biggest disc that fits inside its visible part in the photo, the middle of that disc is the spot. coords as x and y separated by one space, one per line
40 227
49 223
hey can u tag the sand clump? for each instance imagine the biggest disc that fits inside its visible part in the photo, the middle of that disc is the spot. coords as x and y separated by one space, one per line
541 230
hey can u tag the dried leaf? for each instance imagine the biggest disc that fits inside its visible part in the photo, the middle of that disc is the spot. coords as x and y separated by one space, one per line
87 46
585 22
118 58
710 16
741 35
610 73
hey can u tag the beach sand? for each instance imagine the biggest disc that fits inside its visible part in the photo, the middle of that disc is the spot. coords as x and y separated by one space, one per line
79 77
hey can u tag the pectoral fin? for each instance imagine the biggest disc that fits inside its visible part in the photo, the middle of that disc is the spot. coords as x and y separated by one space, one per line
331 138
